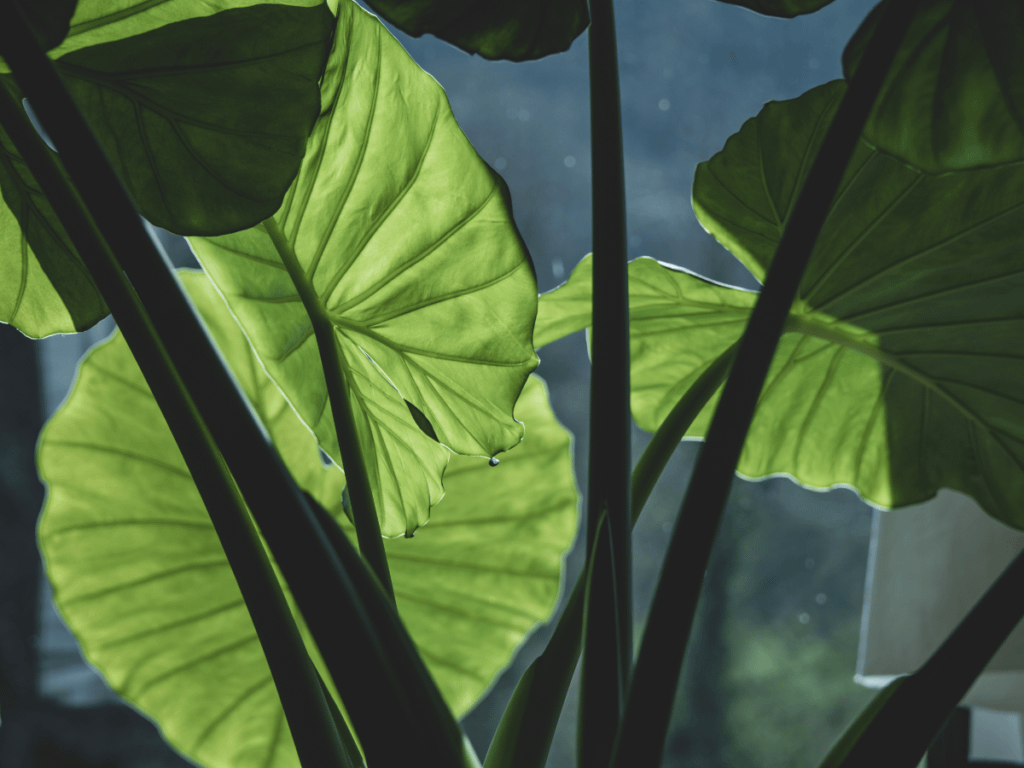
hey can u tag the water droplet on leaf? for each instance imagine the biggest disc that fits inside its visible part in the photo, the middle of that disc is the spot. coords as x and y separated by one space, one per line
493 462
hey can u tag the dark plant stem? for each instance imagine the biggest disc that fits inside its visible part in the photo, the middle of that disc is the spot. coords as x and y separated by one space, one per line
523 737
353 648
309 720
348 741
608 645
909 719
641 739
364 511
382 610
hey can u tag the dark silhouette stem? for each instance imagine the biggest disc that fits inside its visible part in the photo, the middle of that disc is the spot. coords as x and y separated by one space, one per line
310 722
362 656
641 737
608 642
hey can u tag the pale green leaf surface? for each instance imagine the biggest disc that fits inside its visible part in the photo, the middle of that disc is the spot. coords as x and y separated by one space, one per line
44 286
954 95
104 21
567 308
901 366
205 120
141 578
407 238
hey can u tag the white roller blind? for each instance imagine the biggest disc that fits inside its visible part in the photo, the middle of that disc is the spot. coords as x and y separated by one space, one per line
928 565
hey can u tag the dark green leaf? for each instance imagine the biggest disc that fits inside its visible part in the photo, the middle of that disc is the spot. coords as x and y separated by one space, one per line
205 120
783 8
44 286
48 19
954 96
518 31
95 22
407 239
141 578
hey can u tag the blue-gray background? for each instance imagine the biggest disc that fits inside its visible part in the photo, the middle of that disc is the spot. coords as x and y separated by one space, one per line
768 679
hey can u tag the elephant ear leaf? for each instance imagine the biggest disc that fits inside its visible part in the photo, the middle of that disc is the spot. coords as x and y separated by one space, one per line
44 286
518 31
141 578
786 9
406 239
943 116
900 370
205 120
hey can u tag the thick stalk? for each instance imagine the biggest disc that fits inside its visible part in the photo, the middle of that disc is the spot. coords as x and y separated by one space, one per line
296 679
641 739
355 650
348 741
381 609
523 738
364 511
608 645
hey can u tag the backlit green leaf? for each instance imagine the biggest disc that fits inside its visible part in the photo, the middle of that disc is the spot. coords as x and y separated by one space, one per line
141 578
900 369
205 120
44 286
782 8
407 238
518 31
567 308
954 95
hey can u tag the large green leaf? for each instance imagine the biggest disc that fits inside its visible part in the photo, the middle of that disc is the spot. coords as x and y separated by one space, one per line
141 578
407 239
901 366
517 31
783 8
44 286
103 21
205 120
954 95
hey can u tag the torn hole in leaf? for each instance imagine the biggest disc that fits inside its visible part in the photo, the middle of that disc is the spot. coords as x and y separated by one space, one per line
422 422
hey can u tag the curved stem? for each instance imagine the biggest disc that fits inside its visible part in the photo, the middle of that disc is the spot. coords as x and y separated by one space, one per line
641 737
524 734
310 722
364 511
